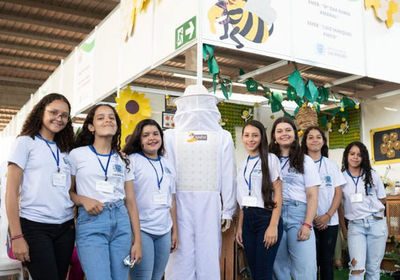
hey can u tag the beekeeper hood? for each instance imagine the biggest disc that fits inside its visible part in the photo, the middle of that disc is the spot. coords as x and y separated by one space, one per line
197 110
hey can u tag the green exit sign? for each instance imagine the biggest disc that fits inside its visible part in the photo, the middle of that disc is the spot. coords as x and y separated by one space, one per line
185 33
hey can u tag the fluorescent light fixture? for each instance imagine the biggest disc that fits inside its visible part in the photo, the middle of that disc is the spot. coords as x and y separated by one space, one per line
262 70
390 109
343 80
186 76
388 94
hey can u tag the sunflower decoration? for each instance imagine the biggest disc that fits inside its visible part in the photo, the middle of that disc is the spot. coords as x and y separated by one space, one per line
132 107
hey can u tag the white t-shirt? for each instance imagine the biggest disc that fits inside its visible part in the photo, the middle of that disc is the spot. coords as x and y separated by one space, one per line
88 172
294 183
253 175
154 218
370 203
331 177
41 200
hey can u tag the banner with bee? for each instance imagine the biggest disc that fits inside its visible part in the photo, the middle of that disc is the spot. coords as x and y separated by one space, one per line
248 25
385 142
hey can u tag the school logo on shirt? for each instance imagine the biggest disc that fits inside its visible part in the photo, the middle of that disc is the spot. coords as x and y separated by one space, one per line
118 168
257 171
292 170
328 181
167 170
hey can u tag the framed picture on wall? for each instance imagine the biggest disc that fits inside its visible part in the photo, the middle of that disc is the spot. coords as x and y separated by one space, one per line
168 120
385 144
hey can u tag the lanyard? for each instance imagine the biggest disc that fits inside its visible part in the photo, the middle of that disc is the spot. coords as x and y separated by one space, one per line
353 178
56 157
101 164
159 180
320 163
248 183
286 162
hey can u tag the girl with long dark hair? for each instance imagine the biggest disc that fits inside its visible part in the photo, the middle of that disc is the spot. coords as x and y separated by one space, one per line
296 255
259 194
41 222
154 180
364 201
107 227
314 144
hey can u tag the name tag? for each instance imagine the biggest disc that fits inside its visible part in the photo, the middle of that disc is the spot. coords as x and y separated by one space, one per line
160 198
104 187
356 197
59 179
249 201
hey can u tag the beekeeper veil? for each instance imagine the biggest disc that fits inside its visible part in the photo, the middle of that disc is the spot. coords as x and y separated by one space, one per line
197 110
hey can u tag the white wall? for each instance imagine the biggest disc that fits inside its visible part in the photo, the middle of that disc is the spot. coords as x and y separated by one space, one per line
375 116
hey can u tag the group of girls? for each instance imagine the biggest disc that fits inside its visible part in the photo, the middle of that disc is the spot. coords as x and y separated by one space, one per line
289 195
125 199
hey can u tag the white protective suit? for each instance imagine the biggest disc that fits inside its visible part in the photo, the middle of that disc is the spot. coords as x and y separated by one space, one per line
203 155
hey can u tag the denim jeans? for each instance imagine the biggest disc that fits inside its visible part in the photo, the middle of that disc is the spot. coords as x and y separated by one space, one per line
260 259
326 243
296 259
50 248
366 239
156 249
103 241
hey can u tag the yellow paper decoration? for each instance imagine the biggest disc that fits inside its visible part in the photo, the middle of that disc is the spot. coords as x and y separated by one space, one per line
132 107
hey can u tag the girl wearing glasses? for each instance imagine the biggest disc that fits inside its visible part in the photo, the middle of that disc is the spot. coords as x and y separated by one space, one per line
102 188
41 222
154 180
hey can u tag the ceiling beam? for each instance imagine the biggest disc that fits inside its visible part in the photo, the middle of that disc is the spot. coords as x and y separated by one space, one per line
387 87
58 9
13 97
22 81
11 69
262 70
40 37
282 73
51 63
33 49
343 80
27 86
44 23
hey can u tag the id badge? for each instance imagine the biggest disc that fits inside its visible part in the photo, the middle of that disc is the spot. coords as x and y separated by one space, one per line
160 198
356 197
249 201
104 187
59 179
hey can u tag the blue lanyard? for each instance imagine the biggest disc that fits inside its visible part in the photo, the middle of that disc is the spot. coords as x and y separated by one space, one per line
56 157
320 163
353 178
286 162
101 164
248 183
155 170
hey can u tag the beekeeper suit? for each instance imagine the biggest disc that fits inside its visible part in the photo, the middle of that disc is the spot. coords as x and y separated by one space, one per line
203 155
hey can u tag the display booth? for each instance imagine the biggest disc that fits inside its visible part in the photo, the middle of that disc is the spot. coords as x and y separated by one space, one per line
246 52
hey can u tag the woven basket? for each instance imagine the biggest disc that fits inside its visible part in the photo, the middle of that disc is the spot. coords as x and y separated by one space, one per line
306 117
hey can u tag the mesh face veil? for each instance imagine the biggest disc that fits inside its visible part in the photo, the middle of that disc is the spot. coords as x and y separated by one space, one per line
197 110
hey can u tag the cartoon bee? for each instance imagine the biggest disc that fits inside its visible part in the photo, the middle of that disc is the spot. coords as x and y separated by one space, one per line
244 22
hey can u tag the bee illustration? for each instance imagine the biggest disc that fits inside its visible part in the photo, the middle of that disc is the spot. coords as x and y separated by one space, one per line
250 23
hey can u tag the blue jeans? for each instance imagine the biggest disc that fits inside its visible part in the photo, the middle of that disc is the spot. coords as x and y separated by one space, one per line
156 249
296 259
366 239
260 259
103 241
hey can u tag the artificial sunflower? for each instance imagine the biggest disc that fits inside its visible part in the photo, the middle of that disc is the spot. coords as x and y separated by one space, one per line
132 107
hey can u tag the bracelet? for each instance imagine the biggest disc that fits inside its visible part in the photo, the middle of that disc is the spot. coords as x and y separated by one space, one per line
330 217
307 225
17 236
